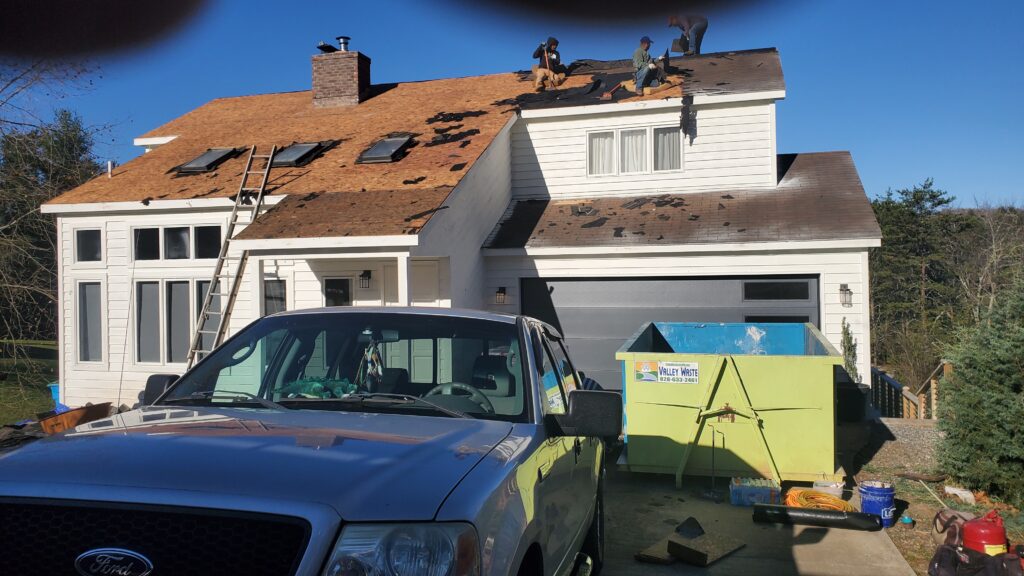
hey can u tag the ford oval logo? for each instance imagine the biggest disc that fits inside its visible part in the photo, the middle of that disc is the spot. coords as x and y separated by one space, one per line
112 562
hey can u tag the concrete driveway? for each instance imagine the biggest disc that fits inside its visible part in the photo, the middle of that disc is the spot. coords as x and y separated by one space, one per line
643 508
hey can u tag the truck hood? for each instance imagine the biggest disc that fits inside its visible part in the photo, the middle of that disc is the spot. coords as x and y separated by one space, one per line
368 467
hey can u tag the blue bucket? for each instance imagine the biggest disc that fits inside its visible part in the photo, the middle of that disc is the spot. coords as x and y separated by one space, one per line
878 498
54 392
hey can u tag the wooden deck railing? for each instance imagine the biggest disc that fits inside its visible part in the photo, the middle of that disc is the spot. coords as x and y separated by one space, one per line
890 398
894 400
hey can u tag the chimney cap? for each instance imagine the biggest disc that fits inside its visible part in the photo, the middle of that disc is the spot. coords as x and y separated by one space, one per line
343 42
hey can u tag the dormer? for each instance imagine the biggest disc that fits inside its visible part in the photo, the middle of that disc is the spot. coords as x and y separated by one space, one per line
715 129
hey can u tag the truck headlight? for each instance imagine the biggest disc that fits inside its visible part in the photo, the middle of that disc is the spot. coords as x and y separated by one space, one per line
439 549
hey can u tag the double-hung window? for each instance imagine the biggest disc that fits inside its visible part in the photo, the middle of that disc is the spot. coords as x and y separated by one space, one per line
629 151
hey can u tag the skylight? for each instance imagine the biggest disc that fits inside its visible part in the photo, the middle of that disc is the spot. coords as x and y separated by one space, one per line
208 160
386 150
301 153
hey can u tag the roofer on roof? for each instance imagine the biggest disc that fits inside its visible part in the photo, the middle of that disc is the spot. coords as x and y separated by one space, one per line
645 70
693 26
549 65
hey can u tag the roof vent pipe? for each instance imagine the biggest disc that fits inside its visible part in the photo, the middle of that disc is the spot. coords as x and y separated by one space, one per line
343 43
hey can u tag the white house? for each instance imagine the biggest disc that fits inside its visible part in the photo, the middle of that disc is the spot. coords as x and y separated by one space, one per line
594 214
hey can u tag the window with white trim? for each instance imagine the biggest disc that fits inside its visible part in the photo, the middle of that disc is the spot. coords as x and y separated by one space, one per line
90 322
176 243
88 245
630 151
166 312
274 296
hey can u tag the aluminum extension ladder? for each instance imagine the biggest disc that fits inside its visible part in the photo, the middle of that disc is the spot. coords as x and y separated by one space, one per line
215 314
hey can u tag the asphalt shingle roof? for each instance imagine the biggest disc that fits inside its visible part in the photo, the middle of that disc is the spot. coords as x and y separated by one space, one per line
819 197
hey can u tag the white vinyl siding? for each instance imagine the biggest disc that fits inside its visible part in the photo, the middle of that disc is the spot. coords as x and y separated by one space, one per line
732 147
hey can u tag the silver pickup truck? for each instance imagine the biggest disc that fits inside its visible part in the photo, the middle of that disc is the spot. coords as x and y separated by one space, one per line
335 442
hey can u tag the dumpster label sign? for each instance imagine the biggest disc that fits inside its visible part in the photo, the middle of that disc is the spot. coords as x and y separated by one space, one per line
669 372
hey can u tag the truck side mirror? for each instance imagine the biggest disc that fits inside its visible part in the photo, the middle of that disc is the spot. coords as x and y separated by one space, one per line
594 413
156 385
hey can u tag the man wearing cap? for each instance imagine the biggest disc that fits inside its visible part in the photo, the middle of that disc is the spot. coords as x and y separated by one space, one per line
693 26
549 65
645 70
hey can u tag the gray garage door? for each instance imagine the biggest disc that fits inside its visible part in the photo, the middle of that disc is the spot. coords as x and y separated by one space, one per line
596 315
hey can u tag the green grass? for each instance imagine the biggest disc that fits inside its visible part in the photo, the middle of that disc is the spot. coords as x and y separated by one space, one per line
23 391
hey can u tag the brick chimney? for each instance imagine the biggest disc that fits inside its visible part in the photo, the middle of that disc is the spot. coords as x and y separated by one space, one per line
340 78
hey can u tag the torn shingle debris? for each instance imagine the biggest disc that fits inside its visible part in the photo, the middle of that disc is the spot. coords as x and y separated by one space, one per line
583 210
618 231
595 223
457 167
446 129
450 137
416 180
446 117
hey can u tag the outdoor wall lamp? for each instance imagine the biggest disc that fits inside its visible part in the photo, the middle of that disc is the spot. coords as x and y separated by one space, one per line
845 296
364 279
499 296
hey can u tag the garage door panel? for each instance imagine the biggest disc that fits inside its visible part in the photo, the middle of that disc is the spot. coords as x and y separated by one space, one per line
624 322
642 293
596 316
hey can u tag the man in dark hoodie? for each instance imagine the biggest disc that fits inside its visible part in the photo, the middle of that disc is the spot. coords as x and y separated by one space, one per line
549 64
693 26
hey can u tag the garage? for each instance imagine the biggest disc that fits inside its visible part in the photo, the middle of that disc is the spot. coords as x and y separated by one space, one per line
596 315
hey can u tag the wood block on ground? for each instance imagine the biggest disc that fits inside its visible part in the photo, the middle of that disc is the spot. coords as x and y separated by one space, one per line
704 549
656 554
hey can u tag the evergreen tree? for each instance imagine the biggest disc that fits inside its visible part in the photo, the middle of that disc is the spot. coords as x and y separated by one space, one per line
913 293
981 407
849 345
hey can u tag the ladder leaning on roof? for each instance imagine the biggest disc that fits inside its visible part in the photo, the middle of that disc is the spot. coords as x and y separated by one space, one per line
215 314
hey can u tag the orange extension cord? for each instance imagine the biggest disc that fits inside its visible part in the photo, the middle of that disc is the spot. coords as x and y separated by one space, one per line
802 498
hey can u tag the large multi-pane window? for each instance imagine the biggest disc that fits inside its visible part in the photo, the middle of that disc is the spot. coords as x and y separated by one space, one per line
176 242
90 322
634 151
166 313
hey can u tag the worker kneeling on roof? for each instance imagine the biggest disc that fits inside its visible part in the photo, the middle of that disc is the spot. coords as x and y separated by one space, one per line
645 69
549 66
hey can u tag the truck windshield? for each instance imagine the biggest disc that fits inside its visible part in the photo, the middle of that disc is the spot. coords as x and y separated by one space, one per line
366 362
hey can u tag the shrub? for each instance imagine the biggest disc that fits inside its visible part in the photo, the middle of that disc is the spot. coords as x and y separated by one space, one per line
981 406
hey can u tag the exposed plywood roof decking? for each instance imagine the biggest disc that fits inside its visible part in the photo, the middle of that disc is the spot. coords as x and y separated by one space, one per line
819 197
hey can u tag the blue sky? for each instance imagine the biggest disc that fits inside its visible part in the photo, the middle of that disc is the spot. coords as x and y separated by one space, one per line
914 89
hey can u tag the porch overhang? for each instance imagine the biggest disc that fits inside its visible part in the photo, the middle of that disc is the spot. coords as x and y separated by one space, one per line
405 241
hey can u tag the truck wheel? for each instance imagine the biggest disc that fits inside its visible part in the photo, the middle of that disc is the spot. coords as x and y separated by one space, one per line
593 545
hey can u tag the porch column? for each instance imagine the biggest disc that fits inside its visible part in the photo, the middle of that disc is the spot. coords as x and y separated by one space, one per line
403 279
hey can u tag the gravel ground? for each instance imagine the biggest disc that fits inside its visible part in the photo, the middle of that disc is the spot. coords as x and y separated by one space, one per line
899 445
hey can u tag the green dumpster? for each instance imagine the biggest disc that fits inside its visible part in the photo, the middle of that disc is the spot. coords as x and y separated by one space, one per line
756 400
